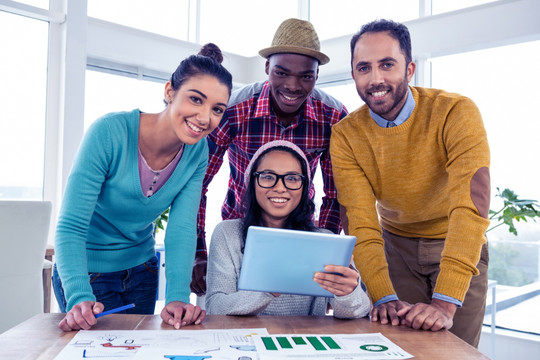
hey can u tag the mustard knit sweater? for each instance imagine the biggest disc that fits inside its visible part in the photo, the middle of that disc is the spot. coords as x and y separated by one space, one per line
428 177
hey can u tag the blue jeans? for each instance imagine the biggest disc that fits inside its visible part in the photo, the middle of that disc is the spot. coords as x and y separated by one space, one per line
137 285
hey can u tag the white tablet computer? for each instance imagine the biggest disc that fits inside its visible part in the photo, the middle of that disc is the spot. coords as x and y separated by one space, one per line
284 261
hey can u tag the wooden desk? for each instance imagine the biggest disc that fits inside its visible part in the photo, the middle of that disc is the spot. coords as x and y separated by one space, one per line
40 338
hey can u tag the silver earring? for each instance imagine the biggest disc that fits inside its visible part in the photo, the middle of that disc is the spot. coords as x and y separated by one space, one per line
169 101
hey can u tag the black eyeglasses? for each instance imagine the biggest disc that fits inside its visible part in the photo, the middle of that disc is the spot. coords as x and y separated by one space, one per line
268 179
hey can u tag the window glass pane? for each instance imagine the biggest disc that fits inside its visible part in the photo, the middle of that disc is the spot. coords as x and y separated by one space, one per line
247 28
340 17
44 4
107 93
23 75
346 93
442 6
164 17
507 94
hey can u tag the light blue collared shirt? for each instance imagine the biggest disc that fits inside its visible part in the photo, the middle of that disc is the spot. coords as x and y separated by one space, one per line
403 115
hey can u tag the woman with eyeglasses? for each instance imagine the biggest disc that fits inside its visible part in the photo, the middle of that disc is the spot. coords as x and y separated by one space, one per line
277 195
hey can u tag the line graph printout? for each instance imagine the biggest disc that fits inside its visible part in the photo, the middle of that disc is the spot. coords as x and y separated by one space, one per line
158 344
331 347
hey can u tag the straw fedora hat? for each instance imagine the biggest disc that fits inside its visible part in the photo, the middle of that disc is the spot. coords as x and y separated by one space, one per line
298 37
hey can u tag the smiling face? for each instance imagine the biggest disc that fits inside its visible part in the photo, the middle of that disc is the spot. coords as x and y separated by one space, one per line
381 74
292 78
278 202
196 107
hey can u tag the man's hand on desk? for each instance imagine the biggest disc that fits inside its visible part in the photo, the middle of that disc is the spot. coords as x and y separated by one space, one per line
178 314
388 312
435 316
81 316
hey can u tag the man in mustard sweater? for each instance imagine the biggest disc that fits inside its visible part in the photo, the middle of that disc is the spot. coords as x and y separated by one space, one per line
412 172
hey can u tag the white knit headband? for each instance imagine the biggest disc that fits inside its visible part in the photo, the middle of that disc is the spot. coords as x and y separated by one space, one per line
273 144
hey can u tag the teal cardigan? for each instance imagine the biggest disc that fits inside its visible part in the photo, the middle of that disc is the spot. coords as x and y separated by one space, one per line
106 222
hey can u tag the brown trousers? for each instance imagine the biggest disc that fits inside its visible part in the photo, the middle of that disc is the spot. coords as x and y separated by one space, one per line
413 264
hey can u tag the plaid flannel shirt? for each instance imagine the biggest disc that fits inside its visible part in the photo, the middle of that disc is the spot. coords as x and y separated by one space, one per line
249 123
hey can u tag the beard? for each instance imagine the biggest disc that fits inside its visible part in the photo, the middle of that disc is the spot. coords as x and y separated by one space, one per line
389 105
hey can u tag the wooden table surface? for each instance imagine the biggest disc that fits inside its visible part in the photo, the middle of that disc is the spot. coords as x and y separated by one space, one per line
40 338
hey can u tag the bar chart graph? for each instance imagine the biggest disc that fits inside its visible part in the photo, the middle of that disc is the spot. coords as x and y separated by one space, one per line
335 346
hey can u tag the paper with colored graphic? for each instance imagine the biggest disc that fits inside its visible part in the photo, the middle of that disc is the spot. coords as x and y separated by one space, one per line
328 347
158 344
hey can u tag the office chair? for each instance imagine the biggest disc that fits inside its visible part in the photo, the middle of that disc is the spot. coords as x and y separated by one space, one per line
24 228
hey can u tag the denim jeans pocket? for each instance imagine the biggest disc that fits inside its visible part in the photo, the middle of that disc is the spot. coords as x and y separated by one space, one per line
152 265
58 290
93 276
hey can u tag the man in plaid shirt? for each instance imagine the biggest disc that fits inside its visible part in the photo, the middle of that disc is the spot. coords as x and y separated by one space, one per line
286 107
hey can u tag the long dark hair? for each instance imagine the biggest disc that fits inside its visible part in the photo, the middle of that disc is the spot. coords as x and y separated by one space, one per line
300 218
207 62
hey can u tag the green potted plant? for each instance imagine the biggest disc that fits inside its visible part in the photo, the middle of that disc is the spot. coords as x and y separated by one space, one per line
513 208
504 256
159 223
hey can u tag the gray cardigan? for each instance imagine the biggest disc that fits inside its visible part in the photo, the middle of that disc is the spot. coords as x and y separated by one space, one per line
224 298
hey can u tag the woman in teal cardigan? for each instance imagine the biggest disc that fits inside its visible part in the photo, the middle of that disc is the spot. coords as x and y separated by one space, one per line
130 167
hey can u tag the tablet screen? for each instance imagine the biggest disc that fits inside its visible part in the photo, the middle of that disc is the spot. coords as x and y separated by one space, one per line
285 261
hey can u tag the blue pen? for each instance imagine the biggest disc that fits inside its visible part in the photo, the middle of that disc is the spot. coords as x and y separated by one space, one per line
112 311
